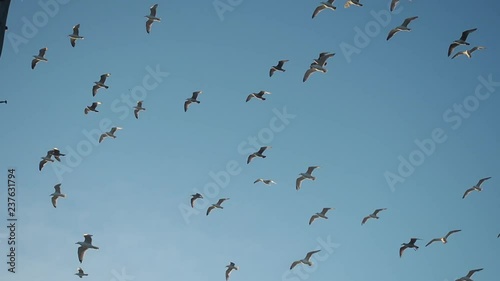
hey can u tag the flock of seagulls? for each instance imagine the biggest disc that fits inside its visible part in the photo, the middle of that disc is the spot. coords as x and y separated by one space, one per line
318 65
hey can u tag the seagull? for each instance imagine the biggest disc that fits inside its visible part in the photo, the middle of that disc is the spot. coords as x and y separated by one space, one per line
278 67
306 175
318 65
411 244
39 58
230 268
57 194
151 18
372 215
320 215
443 239
324 5
191 100
86 244
92 107
468 53
80 272
352 2
394 3
259 95
268 182
469 275
403 27
477 187
138 108
306 260
258 154
194 197
4 101
461 41
45 160
216 205
100 84
323 57
56 153
109 134
73 37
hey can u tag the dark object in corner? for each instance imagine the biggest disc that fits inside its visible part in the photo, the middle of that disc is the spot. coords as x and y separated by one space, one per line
4 11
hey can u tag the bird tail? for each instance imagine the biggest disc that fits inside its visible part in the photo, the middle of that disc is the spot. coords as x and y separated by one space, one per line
263 156
106 87
313 178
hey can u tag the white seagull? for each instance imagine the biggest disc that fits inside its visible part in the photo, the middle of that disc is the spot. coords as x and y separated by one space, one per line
307 175
216 205
191 100
324 5
461 41
268 182
86 244
45 160
403 27
80 272
477 187
469 275
138 108
232 266
151 18
92 107
468 53
73 37
443 239
57 194
110 134
40 57
352 2
194 197
278 67
320 215
306 260
100 84
258 154
259 95
372 215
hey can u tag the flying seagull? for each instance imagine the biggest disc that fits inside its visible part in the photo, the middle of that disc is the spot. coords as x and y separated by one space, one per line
411 244
258 154
100 84
80 272
216 205
191 100
468 53
232 266
73 37
320 215
306 260
138 108
443 239
477 187
469 275
86 244
372 215
278 67
307 175
194 197
92 107
403 27
45 160
352 2
318 65
57 194
322 58
109 134
56 153
324 5
259 95
39 58
461 41
268 182
151 18
394 3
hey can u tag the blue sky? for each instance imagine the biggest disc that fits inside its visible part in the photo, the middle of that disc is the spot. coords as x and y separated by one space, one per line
355 121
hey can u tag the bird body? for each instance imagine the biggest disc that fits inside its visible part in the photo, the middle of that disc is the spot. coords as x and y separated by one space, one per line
411 244
151 18
268 182
307 175
194 197
259 95
258 154
230 267
138 108
319 215
216 205
477 187
110 134
403 27
193 98
306 260
100 84
80 272
40 57
324 5
372 215
57 194
86 244
92 107
47 158
75 36
278 67
394 3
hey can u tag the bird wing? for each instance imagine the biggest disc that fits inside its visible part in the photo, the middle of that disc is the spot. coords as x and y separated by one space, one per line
313 217
308 256
432 241
331 1
451 48
228 272
391 33
76 29
57 187
476 48
136 113
103 78
153 10
481 181
401 250
81 253
458 54
262 149
322 59
192 201
195 94
317 10
271 72
413 240
308 73
80 270
186 105
466 33
148 25
325 210
250 157
54 201
73 42
311 169
210 209
451 232
364 220
33 63
42 51
298 182
294 264
379 210
281 63
408 20
221 200
86 110
473 271
113 130
88 238
139 103
251 96
257 180
102 137
94 105
393 4
467 192
498 235
42 163
94 90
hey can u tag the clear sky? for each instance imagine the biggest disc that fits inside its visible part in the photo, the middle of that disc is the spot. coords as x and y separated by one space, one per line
358 122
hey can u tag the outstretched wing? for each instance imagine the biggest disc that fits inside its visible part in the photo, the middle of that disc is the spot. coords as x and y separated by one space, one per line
451 232
298 182
391 33
432 241
153 10
76 29
467 192
393 4
466 33
482 180
408 20
317 10
311 169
